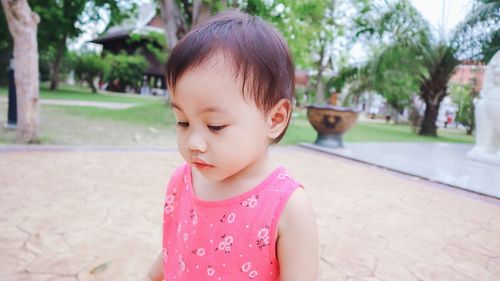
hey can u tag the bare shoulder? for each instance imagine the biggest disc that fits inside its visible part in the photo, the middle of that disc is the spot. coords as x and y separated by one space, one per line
297 244
299 208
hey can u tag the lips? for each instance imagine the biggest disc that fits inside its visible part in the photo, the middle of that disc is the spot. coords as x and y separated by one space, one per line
200 164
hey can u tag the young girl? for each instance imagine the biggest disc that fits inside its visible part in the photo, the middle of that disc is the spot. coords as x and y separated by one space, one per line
232 213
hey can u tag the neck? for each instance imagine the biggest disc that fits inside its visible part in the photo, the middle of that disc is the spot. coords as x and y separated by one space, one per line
243 181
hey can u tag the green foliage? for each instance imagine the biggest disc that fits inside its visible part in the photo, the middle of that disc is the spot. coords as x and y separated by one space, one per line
5 48
154 42
125 69
89 66
396 76
478 36
64 20
463 97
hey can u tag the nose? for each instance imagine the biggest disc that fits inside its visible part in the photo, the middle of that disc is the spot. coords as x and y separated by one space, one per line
196 142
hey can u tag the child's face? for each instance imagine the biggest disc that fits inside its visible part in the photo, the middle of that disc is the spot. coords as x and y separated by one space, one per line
218 132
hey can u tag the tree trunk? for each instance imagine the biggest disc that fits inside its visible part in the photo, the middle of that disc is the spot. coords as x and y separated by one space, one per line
174 24
320 88
90 81
395 115
22 23
201 12
54 79
428 127
320 85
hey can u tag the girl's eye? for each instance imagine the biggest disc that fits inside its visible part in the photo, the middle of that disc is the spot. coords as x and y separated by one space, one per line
182 124
216 128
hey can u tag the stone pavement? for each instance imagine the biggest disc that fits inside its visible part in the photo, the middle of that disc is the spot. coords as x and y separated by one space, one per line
95 214
441 162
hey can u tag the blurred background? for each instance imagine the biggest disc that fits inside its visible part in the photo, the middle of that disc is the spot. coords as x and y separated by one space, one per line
414 68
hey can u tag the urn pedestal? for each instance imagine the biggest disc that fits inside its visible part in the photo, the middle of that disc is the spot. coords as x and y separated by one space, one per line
331 122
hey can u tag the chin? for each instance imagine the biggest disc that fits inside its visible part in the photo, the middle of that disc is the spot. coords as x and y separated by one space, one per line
214 174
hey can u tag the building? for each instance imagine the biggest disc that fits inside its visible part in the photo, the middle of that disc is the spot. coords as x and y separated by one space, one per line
467 72
116 40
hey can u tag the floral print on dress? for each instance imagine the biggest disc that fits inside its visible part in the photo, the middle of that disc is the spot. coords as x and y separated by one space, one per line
210 270
199 252
215 241
246 267
253 274
169 203
283 176
263 237
194 216
230 218
226 243
182 263
251 202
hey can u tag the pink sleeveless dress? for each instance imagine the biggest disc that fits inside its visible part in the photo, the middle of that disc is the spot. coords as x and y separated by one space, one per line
233 239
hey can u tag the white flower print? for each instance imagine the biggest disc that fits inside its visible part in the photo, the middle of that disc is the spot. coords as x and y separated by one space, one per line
231 218
178 228
194 216
222 245
200 252
262 233
210 270
169 209
246 267
251 202
283 176
169 203
225 244
169 199
182 264
229 240
253 274
263 237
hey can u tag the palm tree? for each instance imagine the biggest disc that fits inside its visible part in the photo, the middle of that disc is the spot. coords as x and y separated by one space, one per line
405 28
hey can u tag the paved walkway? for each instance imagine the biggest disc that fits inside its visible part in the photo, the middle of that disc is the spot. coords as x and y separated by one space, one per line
95 214
441 162
98 104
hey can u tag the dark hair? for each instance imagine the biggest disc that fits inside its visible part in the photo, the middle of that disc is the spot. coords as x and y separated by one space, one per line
259 55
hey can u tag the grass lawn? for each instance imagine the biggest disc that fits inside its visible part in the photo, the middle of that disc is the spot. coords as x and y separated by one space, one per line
301 131
152 112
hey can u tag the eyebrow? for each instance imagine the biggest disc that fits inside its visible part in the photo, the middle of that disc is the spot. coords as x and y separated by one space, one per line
207 109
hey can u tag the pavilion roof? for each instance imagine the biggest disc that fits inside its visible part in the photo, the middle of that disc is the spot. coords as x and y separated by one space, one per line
139 25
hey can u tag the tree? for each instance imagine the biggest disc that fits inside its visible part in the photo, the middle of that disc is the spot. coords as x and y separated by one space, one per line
125 70
5 49
90 66
180 16
400 25
22 23
463 96
63 20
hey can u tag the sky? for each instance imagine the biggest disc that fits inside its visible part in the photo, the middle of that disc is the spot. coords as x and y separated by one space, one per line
454 12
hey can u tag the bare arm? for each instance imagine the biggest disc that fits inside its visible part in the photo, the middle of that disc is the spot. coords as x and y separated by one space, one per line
298 240
155 273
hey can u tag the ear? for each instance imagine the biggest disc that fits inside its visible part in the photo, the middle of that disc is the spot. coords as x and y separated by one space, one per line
277 118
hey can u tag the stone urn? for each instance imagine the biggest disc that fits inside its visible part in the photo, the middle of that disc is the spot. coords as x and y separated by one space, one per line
331 122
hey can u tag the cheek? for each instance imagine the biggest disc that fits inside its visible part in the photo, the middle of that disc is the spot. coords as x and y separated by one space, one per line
181 144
